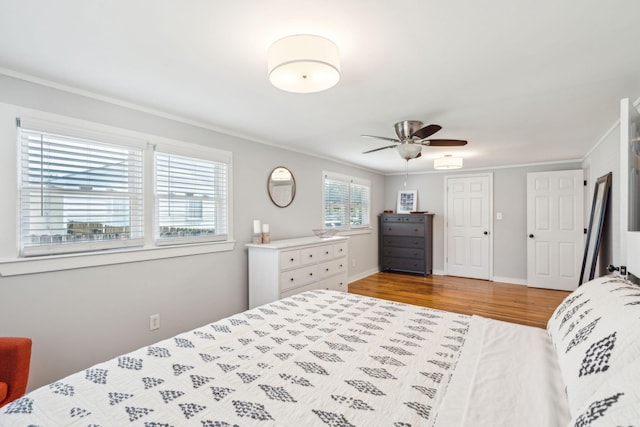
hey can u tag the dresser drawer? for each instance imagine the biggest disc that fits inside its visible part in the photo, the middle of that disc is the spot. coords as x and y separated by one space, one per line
403 229
298 277
289 259
340 249
335 283
403 264
308 255
329 268
411 253
325 252
294 291
403 242
390 219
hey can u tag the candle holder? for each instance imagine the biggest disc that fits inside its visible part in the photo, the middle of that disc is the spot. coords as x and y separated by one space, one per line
266 237
257 238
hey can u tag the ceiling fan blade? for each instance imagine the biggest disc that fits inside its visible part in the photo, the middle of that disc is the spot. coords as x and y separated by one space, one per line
444 142
426 131
384 138
378 149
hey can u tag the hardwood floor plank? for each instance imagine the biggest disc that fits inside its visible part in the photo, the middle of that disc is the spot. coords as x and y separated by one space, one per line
501 301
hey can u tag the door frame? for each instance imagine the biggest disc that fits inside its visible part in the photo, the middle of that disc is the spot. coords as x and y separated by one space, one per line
446 216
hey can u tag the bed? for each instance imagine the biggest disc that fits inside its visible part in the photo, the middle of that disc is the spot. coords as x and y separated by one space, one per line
328 358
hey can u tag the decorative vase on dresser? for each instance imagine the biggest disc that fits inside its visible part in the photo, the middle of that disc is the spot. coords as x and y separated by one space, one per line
286 267
406 243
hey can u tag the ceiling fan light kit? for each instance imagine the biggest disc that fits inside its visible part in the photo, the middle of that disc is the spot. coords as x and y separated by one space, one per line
409 151
447 162
303 63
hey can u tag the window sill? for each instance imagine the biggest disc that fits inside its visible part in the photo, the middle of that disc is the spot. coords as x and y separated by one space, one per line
17 267
355 232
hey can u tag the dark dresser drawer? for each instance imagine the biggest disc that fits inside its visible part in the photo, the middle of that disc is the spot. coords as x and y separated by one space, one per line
395 218
403 229
403 264
390 251
402 241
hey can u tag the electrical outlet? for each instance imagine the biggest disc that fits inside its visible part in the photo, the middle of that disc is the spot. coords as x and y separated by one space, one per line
154 322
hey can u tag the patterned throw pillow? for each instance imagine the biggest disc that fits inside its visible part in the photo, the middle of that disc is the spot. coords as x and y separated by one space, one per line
615 403
596 336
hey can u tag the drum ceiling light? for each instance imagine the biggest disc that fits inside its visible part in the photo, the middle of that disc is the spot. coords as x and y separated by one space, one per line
304 64
447 162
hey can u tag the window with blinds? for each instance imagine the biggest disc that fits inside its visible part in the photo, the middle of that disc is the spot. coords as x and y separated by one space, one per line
345 202
77 194
191 199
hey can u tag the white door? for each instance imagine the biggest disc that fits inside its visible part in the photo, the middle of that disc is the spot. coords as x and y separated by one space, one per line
629 187
555 229
468 226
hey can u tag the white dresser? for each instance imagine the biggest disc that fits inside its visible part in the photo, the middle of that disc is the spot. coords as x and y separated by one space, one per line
286 267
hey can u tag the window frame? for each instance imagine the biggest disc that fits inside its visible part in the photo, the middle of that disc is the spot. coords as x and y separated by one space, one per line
98 139
12 264
189 151
349 180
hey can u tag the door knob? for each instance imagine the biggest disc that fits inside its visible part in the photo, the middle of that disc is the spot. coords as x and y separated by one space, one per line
531 236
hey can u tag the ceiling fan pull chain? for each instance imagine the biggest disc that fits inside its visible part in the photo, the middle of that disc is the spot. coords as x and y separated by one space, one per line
406 174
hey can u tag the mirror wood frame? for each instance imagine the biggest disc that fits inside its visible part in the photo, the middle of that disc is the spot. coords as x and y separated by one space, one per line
275 199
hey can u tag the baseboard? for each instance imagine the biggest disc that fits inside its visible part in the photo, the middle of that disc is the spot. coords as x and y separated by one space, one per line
438 272
363 274
510 280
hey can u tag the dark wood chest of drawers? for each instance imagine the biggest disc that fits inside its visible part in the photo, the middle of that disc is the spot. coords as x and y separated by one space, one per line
406 243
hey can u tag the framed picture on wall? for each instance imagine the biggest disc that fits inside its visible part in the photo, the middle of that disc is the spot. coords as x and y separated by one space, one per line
407 201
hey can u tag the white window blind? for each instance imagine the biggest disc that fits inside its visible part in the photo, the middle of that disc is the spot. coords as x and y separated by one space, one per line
345 202
191 199
77 194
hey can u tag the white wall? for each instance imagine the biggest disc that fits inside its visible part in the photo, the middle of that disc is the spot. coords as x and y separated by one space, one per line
80 317
509 197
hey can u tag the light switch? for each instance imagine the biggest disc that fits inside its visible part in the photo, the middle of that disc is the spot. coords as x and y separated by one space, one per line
498 216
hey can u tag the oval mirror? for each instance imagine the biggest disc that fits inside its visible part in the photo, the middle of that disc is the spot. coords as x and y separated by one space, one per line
281 186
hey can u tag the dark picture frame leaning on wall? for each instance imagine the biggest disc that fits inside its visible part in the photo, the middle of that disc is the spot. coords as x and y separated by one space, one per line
596 223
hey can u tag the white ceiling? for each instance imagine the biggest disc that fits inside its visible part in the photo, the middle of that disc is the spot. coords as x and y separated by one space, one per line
523 81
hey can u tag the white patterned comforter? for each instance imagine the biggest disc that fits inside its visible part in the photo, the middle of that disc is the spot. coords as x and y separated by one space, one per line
314 359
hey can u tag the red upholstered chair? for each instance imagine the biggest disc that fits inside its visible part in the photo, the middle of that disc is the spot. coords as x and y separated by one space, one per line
15 357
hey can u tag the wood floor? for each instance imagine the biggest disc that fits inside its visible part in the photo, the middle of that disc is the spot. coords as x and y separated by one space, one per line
501 301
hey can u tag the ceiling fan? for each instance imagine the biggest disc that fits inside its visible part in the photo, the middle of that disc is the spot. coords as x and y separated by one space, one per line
412 136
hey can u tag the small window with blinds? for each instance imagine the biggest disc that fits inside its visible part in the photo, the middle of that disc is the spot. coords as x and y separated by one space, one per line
191 199
77 194
345 202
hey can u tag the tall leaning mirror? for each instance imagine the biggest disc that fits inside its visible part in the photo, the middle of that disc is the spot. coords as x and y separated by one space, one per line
596 224
281 186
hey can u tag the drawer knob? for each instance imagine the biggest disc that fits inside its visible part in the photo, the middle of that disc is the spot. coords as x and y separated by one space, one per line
326 252
310 274
310 255
291 260
326 269
291 280
340 265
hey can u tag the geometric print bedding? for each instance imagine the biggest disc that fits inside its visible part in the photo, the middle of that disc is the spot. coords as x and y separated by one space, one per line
321 358
596 334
